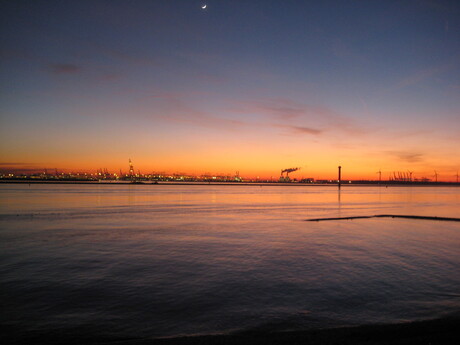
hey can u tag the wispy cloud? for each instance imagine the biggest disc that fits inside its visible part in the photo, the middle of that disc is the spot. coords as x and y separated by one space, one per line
64 68
18 167
426 73
16 170
302 118
282 109
174 109
7 164
407 156
301 130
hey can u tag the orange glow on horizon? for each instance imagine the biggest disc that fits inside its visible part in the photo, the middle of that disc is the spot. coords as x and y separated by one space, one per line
265 171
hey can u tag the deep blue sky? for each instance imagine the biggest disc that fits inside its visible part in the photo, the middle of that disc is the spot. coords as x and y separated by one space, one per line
375 84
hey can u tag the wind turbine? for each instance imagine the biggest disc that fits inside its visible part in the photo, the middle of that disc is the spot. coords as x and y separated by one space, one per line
457 176
436 176
410 175
380 175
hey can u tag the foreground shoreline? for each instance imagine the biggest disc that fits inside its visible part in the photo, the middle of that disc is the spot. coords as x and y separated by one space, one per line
438 331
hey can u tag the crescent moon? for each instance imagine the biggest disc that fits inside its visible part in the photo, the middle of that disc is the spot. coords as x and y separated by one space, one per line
204 6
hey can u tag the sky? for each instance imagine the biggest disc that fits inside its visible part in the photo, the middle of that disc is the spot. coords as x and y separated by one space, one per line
242 85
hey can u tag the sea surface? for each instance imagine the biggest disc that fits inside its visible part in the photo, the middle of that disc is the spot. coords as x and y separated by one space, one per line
168 260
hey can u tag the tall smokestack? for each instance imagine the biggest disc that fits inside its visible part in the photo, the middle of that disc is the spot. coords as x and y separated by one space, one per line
340 176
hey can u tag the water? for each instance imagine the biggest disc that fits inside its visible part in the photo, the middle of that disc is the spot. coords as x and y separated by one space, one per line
150 261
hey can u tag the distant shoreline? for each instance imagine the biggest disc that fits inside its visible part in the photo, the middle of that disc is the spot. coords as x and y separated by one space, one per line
278 184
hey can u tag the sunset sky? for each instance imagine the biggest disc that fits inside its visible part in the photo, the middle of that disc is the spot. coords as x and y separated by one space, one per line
243 85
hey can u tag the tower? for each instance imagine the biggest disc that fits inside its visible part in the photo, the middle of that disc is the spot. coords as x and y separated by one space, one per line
340 176
131 169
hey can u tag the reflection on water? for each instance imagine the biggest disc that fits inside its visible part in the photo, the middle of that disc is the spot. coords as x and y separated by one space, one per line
169 260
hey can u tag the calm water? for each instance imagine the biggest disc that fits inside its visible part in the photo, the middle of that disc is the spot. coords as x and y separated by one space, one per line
151 261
